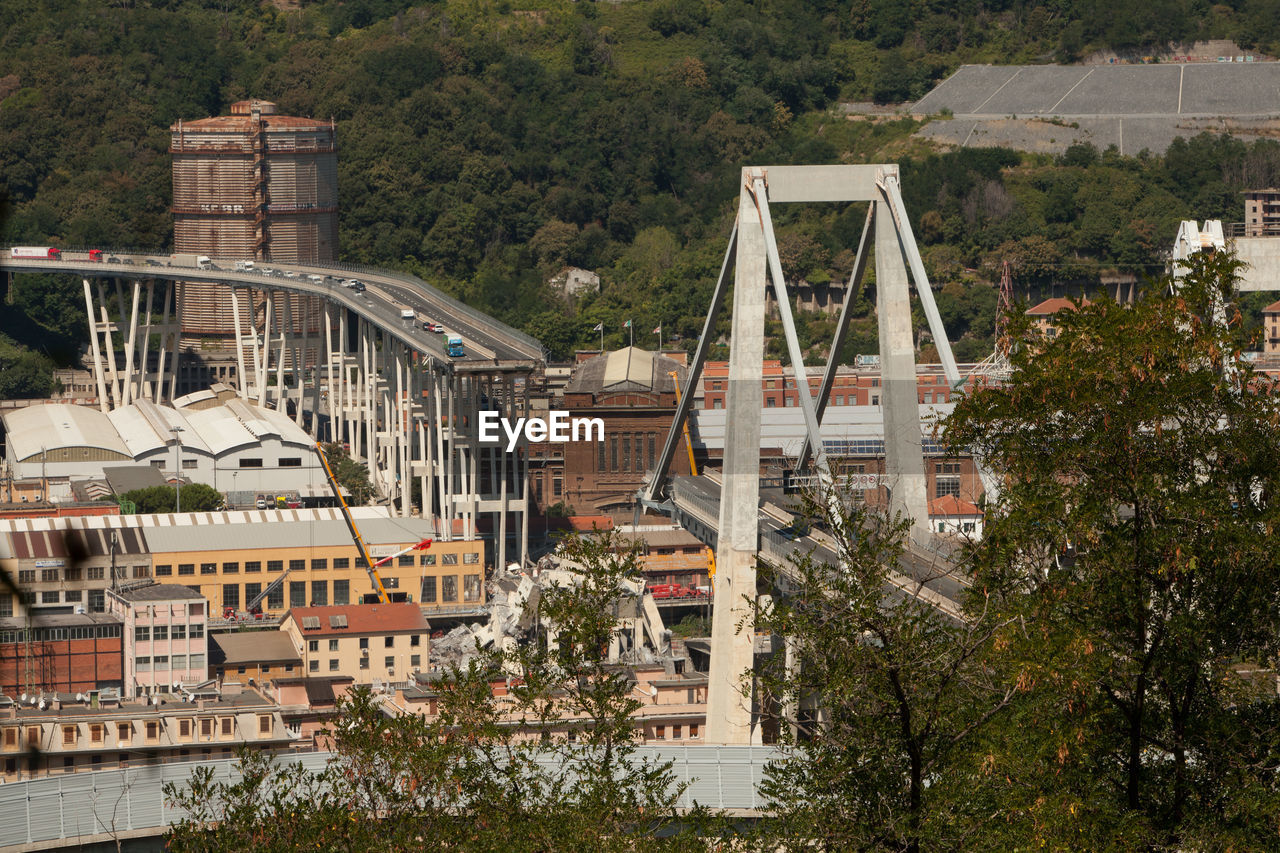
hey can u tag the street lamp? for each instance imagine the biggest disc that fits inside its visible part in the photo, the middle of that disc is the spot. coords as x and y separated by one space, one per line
177 483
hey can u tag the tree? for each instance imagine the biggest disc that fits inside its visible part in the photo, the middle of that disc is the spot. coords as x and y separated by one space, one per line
196 497
1131 543
350 474
880 699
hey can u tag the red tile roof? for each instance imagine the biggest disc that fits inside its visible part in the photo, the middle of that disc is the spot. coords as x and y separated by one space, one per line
360 619
1052 306
952 505
1273 308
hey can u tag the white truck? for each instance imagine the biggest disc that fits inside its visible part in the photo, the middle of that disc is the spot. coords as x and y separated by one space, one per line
408 314
197 261
244 266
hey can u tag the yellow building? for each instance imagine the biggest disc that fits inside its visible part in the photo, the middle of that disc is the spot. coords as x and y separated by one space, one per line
232 557
369 642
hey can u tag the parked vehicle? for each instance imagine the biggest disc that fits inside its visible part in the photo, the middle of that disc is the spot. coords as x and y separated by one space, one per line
31 253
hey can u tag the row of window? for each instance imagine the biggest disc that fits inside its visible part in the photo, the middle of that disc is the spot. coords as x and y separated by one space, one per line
625 453
297 593
164 663
318 564
471 589
77 573
143 633
41 635
388 642
124 731
389 663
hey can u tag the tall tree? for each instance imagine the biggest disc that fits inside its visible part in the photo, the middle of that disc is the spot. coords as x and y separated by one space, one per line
1131 542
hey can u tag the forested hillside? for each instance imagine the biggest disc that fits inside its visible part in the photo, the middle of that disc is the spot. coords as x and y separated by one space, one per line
485 145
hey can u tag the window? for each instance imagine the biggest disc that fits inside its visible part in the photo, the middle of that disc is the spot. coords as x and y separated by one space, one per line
226 725
68 735
364 663
141 633
342 592
428 559
264 725
291 462
428 591
49 597
404 560
471 558
208 568
319 593
319 565
297 593
449 559
333 645
389 663
97 602
161 663
141 572
197 662
471 588
364 644
253 566
6 603
184 728
342 562
73 574
693 730
947 468
250 463
186 568
178 662
275 598
163 571
179 632
26 576
415 660
275 565
142 663
197 631
206 727
95 573
49 575
313 665
231 596
124 732
10 737
230 568
449 588
313 645
160 632
388 642
415 641
660 732
333 664
613 453
947 486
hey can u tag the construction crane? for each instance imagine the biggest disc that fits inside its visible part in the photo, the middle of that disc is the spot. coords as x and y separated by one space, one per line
379 590
693 470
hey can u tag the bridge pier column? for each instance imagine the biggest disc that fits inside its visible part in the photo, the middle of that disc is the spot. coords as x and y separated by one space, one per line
97 353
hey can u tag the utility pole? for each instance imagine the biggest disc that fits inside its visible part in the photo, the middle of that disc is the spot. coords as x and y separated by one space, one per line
177 483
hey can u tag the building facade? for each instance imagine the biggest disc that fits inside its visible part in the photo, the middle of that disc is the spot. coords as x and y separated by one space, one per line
373 642
165 636
65 653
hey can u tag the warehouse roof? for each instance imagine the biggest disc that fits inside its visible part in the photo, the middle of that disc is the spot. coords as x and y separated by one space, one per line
276 533
34 429
159 592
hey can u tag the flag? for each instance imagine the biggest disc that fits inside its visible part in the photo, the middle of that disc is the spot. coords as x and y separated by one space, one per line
626 325
599 327
658 331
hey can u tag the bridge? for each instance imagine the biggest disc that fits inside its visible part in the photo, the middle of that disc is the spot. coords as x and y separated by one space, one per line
363 375
127 806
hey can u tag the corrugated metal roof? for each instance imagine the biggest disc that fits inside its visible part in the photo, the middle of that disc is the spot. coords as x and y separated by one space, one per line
784 428
313 533
34 428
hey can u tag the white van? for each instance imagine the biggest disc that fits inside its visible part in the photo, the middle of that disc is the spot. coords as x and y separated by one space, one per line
244 266
316 279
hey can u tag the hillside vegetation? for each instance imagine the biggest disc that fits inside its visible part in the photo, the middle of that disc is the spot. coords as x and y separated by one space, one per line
485 145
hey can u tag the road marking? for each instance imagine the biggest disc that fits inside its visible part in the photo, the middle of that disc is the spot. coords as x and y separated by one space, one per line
1072 89
1182 72
978 109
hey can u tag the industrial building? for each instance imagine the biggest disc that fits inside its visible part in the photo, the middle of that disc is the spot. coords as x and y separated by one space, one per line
254 185
235 446
67 653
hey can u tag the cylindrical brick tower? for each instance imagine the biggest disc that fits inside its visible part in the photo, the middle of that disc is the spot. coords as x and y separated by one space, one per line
258 186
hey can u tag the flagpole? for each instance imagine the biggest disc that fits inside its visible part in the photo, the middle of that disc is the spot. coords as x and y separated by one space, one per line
632 328
602 338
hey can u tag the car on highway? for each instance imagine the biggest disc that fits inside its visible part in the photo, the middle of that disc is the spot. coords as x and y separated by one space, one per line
429 326
290 274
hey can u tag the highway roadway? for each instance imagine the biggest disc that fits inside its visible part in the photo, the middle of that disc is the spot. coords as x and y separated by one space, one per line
926 575
488 343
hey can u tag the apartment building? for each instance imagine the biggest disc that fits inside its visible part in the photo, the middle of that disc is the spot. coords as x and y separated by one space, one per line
70 736
164 636
372 642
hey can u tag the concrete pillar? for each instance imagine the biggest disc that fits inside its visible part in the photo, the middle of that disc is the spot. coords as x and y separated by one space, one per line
729 712
899 400
97 353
